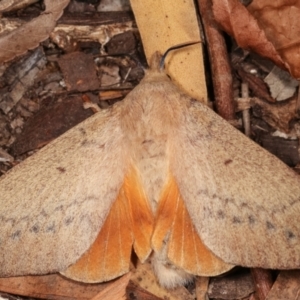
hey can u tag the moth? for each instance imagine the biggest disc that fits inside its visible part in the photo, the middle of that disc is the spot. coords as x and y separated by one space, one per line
159 173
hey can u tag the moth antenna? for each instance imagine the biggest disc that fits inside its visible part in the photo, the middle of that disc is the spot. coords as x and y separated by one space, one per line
162 61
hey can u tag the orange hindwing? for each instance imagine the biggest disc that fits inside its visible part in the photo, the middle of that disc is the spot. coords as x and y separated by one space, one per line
185 248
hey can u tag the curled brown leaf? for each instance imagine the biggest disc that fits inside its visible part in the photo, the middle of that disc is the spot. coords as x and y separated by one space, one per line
280 22
28 36
237 21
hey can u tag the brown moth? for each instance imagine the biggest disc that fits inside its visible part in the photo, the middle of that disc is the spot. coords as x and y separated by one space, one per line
160 173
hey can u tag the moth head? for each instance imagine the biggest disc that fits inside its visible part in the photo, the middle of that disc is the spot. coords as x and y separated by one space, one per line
157 60
155 73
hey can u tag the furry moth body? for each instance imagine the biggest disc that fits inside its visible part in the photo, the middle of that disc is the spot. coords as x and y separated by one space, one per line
158 172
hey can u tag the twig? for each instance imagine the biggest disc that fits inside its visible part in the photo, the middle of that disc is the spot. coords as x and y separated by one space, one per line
221 70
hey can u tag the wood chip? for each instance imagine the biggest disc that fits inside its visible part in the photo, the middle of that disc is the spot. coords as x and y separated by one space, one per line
79 71
232 286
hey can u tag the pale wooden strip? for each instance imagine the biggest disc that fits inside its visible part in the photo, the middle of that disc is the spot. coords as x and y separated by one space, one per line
166 23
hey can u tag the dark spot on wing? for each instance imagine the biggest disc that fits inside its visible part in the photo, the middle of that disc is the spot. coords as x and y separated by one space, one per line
201 192
251 219
59 208
236 220
35 228
294 202
101 146
90 142
61 169
290 235
82 131
50 228
68 221
43 213
227 162
208 211
16 235
221 214
160 154
12 221
84 142
244 204
270 226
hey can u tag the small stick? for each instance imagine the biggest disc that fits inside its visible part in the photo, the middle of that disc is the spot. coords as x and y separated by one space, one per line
201 287
220 67
246 114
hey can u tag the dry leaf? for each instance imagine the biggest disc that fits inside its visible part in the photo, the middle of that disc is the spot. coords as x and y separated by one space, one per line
256 84
115 290
232 286
286 287
56 287
134 291
263 281
236 20
49 123
21 76
278 115
280 22
35 31
9 5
